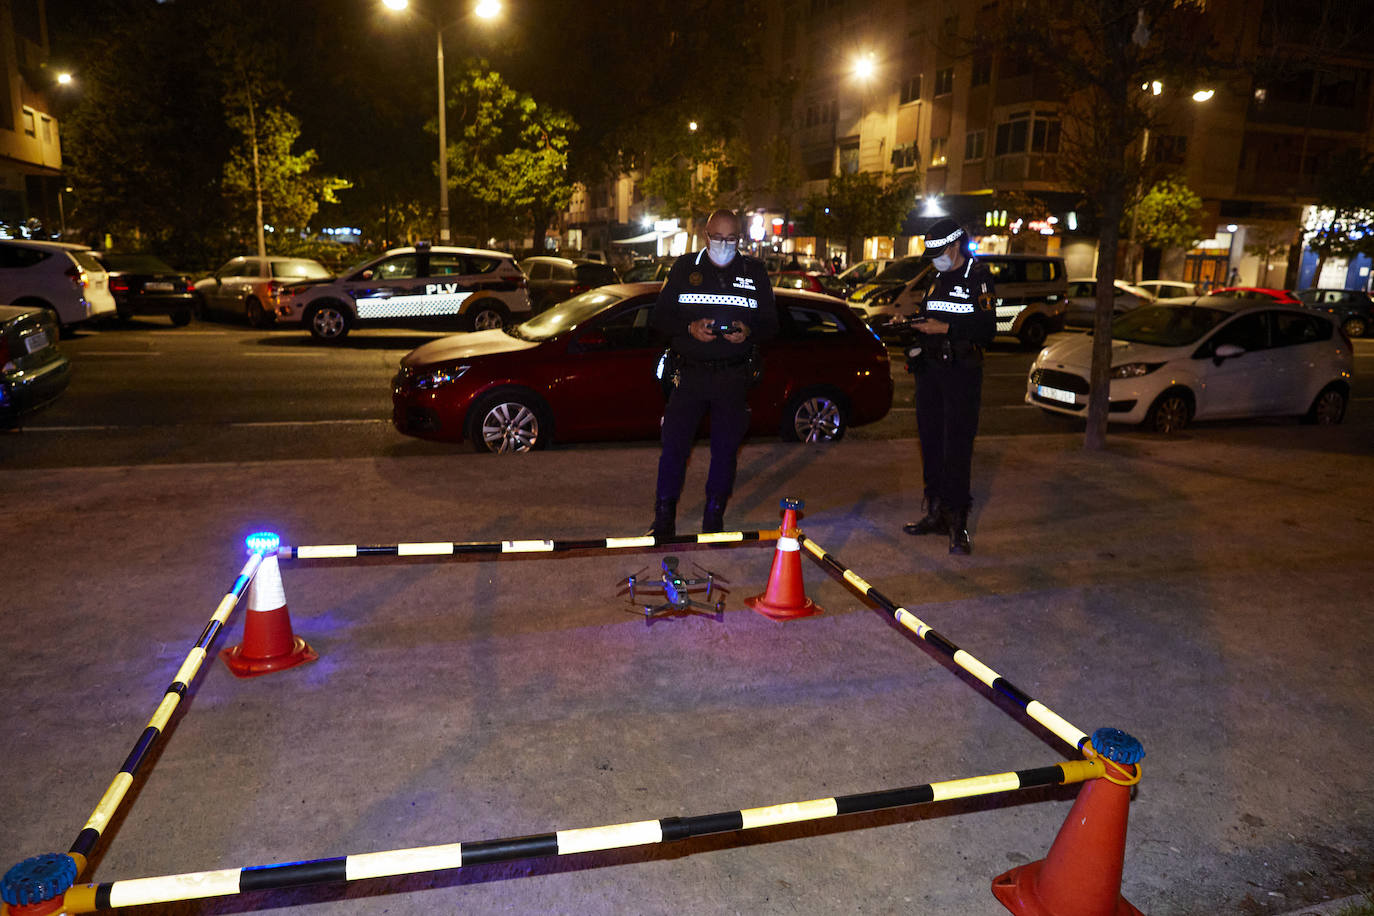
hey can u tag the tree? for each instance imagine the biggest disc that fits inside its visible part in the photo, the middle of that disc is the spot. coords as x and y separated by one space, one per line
1102 52
1168 216
1342 222
1267 242
855 206
510 163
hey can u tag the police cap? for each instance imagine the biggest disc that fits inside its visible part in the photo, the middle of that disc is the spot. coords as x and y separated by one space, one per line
941 234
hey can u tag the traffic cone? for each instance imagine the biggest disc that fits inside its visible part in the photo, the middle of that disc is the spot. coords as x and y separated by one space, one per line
1081 876
268 643
785 598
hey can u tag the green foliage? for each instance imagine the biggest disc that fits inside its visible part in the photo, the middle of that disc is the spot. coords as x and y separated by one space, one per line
509 165
855 206
1169 215
1343 225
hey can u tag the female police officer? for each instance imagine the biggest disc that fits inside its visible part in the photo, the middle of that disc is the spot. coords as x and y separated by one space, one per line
957 319
716 304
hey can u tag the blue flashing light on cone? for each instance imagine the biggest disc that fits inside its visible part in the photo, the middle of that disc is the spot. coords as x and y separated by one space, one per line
785 597
268 642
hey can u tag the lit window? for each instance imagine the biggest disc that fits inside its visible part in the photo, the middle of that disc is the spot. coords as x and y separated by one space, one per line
939 152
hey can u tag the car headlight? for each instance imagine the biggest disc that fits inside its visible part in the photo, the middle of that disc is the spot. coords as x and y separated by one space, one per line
438 378
1134 370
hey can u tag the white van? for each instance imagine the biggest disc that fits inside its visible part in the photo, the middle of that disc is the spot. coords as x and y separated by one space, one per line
65 279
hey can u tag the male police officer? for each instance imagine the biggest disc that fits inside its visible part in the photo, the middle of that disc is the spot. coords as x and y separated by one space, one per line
957 319
716 304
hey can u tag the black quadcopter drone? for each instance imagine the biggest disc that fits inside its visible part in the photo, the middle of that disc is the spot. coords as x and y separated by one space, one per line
676 590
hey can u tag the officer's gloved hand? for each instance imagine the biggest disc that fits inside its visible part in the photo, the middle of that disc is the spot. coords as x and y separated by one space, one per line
913 353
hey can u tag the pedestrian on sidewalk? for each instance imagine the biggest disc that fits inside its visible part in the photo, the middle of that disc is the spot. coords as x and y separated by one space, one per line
715 307
956 320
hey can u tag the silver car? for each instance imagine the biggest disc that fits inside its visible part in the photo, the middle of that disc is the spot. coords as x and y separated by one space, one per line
249 286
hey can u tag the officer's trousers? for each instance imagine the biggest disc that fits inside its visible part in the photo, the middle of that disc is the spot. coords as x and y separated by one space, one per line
722 393
948 395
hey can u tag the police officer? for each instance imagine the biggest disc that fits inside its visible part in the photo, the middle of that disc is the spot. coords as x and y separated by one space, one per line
957 318
714 307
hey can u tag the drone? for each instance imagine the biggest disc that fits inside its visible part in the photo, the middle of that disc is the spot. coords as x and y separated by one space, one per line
677 591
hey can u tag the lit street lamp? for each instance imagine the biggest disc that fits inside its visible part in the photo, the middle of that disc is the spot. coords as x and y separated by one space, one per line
483 9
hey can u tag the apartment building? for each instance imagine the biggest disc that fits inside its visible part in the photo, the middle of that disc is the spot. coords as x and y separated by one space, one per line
30 147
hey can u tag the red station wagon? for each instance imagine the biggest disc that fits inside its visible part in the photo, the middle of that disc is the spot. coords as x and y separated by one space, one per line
584 370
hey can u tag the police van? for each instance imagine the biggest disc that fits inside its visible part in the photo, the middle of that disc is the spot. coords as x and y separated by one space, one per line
474 288
1032 292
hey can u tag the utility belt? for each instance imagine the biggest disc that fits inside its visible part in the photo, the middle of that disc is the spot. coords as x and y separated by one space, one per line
733 362
943 352
668 369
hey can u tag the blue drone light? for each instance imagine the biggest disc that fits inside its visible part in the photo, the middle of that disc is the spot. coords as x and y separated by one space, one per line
263 542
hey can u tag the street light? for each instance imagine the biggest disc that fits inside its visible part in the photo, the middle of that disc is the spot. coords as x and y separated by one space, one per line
484 9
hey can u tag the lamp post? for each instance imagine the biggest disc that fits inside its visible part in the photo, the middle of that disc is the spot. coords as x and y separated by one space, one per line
483 9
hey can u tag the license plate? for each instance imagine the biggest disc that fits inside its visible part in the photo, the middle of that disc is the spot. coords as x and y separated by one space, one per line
35 342
158 286
1054 394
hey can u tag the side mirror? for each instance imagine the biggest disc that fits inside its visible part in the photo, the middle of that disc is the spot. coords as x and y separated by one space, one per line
1227 351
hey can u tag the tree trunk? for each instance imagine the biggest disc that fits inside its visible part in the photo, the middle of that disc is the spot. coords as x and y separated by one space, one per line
257 177
1099 379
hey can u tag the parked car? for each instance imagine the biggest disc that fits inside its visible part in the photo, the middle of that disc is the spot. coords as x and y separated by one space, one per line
811 281
1215 358
861 272
584 370
250 286
32 370
1353 309
480 289
553 279
778 260
1082 304
897 273
649 271
144 285
1168 289
1030 298
1257 292
65 279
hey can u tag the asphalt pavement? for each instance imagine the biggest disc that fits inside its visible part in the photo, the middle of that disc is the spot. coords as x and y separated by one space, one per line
1206 594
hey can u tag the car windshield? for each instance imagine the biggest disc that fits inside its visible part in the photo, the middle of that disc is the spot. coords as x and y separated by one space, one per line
302 269
565 315
1166 325
136 264
901 271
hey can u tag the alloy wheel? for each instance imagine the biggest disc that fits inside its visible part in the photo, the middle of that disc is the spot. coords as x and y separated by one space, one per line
818 419
510 427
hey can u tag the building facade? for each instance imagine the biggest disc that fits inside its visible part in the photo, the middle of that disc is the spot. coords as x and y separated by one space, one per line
31 184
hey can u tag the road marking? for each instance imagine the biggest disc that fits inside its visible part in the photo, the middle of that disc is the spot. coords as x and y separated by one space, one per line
268 423
291 354
89 429
119 353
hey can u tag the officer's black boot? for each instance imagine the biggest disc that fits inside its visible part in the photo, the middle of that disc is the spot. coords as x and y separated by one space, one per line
713 516
959 541
933 523
665 518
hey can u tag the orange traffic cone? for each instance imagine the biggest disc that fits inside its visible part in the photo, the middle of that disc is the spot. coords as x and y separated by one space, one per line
1081 876
268 643
785 598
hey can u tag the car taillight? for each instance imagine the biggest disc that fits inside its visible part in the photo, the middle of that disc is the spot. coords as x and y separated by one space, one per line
578 288
119 285
77 276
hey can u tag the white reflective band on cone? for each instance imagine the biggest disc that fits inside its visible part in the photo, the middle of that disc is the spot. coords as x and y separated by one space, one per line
265 592
788 544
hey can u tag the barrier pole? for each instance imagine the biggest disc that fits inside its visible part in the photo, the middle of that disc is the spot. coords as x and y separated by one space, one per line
1067 732
461 548
232 881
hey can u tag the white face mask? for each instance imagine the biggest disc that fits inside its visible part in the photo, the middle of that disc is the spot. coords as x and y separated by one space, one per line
720 253
944 262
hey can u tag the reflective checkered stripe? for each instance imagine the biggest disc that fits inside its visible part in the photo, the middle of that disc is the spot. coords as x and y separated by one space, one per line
144 891
1006 314
410 306
1071 735
85 842
743 302
454 548
944 305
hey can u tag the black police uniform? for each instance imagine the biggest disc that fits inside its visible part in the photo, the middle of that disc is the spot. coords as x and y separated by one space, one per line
949 381
712 376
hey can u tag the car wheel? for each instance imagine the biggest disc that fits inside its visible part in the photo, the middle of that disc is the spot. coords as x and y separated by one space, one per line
815 416
486 316
258 316
182 317
509 421
1328 409
327 321
1033 334
1170 413
1355 326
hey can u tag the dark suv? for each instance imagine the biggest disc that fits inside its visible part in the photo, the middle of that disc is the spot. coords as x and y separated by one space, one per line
553 279
1352 308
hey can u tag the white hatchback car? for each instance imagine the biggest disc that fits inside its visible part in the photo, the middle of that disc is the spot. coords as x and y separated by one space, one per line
65 279
1213 359
481 289
1082 302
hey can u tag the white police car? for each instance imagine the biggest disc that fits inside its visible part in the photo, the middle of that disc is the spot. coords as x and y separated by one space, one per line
480 289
